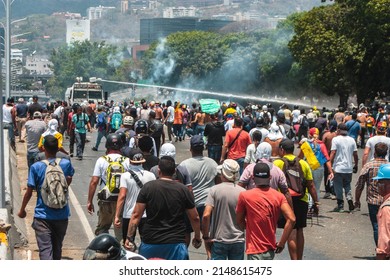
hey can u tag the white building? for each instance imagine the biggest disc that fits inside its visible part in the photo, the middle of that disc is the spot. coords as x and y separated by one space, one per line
38 65
77 30
179 12
98 12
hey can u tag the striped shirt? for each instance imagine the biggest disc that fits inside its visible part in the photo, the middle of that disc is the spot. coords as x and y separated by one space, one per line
369 171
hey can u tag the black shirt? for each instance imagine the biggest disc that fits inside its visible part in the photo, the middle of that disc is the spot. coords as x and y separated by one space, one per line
166 202
33 108
214 132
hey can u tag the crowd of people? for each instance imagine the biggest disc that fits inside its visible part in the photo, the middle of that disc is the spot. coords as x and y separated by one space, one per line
263 170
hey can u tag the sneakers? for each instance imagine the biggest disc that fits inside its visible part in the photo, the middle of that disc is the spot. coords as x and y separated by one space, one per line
327 195
94 149
351 207
333 197
339 208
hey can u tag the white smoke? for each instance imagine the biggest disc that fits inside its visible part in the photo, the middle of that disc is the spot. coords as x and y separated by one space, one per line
163 63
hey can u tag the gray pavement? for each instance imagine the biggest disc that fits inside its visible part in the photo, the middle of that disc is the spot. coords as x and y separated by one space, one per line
334 236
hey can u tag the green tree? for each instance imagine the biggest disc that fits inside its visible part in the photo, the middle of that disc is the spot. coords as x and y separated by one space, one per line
83 59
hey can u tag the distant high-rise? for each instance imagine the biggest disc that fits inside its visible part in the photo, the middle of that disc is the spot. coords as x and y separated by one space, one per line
77 30
198 3
124 6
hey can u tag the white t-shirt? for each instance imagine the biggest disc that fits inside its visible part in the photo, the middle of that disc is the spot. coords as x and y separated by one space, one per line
344 147
295 115
128 182
101 165
229 125
373 141
264 132
171 112
250 154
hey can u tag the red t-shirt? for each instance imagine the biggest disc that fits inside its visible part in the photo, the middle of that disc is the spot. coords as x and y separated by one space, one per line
262 210
238 149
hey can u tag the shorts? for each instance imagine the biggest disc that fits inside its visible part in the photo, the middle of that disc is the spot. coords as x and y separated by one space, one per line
300 211
174 251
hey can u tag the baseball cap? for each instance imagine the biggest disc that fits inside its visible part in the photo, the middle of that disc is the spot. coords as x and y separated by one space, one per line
197 141
230 169
37 114
136 156
168 149
261 174
35 96
287 144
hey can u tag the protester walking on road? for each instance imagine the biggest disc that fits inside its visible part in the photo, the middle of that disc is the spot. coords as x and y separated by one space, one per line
203 173
300 183
383 248
343 154
21 118
166 201
373 198
80 120
223 238
258 211
107 205
49 224
34 130
380 136
131 183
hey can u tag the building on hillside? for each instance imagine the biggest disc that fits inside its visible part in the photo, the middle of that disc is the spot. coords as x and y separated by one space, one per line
77 30
198 3
67 15
97 12
156 28
36 64
179 12
138 4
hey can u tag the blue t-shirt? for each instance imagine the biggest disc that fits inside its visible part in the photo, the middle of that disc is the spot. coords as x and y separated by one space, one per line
35 181
353 128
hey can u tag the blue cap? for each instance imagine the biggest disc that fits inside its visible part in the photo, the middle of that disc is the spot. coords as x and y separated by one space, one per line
197 141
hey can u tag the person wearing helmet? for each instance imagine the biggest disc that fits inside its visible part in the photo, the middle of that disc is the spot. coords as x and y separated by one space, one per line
107 247
383 177
260 126
156 130
141 130
107 207
127 128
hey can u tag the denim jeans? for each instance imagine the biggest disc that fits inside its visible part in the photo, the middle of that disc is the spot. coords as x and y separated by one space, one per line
177 130
214 152
373 211
342 181
240 162
100 135
318 175
221 251
80 143
11 134
31 158
199 130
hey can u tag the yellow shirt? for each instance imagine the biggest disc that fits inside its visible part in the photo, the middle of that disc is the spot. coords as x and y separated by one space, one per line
57 135
305 168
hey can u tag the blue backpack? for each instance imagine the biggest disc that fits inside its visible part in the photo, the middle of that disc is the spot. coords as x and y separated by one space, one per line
101 120
116 121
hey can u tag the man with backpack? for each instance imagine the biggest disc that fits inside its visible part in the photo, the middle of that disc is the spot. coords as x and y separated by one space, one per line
52 209
131 183
115 119
300 183
107 174
80 120
156 130
101 126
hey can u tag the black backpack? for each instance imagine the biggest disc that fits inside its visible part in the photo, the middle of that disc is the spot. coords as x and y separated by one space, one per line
294 176
305 122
